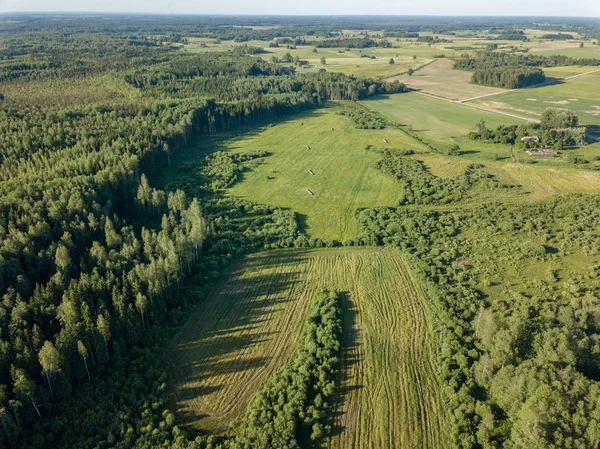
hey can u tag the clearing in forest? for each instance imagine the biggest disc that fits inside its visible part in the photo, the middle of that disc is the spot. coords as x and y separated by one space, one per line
342 158
248 327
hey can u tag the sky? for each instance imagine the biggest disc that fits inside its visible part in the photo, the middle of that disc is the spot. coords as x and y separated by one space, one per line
580 8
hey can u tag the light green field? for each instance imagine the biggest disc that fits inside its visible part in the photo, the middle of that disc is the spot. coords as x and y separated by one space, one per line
567 71
549 176
438 78
345 177
435 118
580 94
389 396
351 62
588 51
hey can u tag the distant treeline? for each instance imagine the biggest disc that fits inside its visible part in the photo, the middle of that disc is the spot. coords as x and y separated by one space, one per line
349 43
508 77
432 39
558 37
402 34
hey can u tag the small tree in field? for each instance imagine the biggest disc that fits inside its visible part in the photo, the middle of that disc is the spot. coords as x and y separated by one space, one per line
410 72
454 150
323 60
392 61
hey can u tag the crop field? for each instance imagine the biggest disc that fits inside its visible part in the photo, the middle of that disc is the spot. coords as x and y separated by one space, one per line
438 78
580 94
344 174
230 346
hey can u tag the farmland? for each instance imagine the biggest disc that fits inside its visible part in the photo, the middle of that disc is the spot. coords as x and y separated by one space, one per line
439 79
225 232
388 395
450 119
579 94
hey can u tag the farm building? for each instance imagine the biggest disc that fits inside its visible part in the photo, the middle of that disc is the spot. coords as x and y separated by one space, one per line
532 139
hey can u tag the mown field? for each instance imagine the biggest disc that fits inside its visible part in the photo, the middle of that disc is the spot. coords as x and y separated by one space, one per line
388 395
345 177
580 94
438 78
435 118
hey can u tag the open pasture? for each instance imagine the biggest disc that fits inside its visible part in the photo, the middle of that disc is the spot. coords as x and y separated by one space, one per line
249 325
547 177
345 177
573 50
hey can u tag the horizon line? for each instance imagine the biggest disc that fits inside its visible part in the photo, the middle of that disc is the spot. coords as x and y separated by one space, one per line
294 15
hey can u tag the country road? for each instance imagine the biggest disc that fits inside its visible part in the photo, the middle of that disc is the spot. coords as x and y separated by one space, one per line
473 106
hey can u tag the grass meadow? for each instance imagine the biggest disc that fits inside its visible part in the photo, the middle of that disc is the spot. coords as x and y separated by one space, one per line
345 176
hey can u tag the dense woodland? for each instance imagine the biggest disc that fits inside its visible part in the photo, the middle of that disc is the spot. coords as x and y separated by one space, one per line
99 267
521 370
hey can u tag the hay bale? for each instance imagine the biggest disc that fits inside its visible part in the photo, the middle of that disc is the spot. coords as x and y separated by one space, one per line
385 140
309 192
307 147
311 172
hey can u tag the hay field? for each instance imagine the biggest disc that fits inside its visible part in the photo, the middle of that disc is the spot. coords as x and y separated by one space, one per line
389 396
345 176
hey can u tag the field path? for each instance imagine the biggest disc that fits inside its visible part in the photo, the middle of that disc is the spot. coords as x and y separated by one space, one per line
231 345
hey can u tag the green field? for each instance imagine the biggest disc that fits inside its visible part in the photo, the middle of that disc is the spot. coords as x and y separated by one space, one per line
580 94
589 51
438 78
345 177
388 395
435 118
